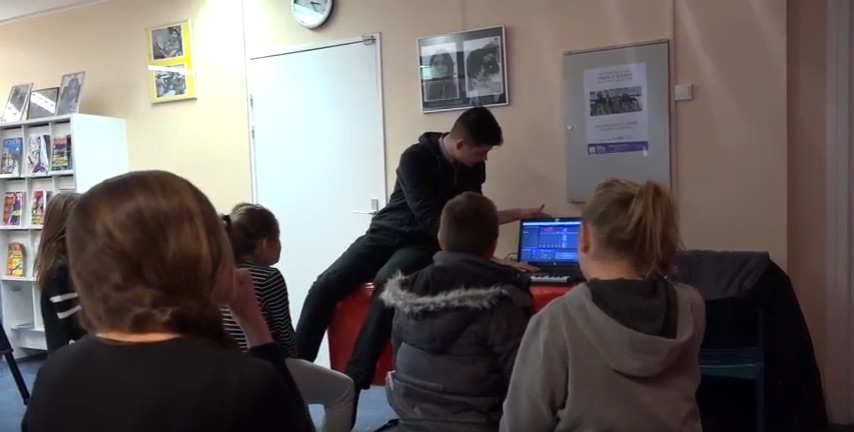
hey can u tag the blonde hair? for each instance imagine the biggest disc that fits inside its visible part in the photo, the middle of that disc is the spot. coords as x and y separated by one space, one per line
635 221
52 248
148 253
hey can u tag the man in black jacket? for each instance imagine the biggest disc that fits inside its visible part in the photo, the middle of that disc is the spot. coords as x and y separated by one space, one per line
402 236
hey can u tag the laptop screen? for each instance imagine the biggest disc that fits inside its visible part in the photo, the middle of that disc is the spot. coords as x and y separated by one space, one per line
549 242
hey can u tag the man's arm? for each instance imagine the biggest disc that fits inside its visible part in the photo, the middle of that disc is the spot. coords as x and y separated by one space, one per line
419 182
513 215
509 215
420 185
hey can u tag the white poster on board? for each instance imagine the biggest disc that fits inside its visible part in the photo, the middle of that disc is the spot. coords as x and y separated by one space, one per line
617 120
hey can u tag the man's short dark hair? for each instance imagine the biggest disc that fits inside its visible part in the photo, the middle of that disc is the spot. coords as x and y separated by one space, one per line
469 224
477 126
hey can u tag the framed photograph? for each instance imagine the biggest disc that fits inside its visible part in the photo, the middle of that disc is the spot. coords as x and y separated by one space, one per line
463 70
17 103
170 81
167 42
170 63
69 93
43 103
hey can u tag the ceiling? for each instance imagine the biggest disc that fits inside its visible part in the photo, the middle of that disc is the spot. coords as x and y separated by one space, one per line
13 9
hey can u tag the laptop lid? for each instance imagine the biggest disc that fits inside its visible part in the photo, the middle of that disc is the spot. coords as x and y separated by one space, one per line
549 243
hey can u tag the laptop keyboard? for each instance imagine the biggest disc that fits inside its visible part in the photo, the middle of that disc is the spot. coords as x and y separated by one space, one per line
552 279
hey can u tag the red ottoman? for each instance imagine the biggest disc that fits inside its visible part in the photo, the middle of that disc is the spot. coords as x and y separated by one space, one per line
544 294
344 329
350 313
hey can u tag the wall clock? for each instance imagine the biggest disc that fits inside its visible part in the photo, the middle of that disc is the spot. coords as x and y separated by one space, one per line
311 13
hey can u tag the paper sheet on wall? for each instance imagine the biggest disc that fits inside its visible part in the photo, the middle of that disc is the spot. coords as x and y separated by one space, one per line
617 120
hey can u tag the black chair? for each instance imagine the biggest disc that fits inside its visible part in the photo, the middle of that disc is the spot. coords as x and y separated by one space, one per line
7 351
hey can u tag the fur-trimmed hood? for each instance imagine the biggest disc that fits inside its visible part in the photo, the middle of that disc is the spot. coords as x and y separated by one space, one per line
455 281
457 326
436 305
399 295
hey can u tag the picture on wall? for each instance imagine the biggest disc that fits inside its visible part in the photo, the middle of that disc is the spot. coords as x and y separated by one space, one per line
43 103
462 70
167 42
170 81
17 102
171 74
69 93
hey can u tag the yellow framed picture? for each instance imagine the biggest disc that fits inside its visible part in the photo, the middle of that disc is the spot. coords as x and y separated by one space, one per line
171 73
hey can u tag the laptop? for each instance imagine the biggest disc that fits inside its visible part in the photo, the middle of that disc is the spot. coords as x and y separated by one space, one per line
551 244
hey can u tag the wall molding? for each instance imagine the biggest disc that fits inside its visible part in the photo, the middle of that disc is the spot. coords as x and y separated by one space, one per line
839 364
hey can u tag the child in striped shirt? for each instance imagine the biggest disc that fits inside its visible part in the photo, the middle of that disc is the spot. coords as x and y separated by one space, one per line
254 234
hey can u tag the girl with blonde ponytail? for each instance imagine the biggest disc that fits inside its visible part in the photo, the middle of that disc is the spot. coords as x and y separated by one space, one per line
618 352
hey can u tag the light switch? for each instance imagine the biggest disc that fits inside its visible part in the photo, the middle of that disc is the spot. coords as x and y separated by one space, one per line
684 92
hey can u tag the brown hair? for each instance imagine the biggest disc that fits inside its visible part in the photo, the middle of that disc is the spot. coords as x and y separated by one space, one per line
635 221
52 247
148 253
469 224
247 224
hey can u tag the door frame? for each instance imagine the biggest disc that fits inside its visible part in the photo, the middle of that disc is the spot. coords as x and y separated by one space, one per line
375 38
839 363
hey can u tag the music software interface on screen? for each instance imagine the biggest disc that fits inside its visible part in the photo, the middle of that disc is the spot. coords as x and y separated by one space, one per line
555 242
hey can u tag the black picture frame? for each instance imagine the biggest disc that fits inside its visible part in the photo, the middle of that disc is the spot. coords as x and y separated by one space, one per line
43 103
463 70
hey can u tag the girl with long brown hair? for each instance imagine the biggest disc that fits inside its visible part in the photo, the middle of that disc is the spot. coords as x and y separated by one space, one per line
618 352
151 263
59 305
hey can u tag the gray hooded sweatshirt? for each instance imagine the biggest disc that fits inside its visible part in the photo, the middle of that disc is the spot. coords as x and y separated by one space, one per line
617 355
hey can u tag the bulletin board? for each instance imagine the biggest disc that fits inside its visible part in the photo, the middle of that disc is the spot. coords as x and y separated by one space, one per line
617 116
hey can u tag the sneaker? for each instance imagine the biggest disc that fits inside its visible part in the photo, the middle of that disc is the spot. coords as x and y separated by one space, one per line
389 426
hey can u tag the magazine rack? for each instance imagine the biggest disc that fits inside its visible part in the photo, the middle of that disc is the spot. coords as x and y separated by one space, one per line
97 151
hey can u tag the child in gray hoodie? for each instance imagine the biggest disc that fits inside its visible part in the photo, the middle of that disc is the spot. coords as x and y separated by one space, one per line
618 353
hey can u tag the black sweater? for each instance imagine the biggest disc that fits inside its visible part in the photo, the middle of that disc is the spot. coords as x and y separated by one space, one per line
60 309
180 385
426 180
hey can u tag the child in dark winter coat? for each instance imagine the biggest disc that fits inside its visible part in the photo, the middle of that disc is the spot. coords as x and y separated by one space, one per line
457 326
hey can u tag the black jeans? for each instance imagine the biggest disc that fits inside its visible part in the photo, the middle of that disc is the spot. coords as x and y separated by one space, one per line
375 256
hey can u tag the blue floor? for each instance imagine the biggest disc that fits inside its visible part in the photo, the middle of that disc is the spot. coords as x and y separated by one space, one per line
373 408
11 407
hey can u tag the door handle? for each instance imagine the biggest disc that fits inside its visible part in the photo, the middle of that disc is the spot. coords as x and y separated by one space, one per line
374 209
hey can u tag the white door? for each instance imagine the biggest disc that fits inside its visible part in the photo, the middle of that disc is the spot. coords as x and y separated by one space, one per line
319 153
